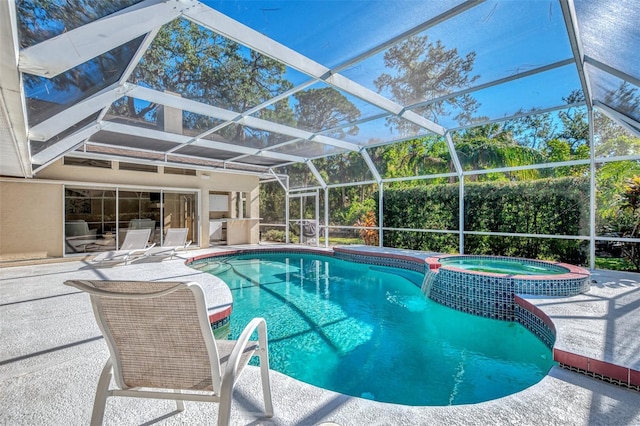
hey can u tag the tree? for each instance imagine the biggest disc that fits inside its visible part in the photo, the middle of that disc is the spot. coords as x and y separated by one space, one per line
492 146
618 145
414 157
611 138
557 151
423 70
625 99
40 20
575 121
200 65
570 125
533 129
613 218
325 108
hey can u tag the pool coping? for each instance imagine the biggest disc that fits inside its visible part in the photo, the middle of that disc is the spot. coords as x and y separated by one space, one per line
601 369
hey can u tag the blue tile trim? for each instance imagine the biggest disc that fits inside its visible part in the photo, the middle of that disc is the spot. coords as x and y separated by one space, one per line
220 323
535 324
417 266
490 297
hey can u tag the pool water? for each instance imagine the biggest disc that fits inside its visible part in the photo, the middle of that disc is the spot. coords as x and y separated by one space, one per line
369 332
501 266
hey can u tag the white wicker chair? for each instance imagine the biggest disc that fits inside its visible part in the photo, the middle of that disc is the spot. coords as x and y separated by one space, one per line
160 339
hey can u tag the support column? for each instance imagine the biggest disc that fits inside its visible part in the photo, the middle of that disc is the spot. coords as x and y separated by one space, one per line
461 214
592 193
380 213
326 217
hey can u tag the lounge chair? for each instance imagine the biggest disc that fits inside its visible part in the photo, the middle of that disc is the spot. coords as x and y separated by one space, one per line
174 240
135 244
160 339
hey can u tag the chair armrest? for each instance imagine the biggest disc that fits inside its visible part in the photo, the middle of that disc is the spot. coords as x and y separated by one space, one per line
185 247
229 375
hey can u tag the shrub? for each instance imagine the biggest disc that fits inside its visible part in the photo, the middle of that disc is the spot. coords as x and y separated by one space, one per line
546 206
275 235
370 236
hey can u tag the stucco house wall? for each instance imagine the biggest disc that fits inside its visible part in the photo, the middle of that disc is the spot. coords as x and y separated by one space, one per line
31 210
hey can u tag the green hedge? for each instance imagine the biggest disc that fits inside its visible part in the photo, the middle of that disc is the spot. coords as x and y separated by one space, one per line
547 206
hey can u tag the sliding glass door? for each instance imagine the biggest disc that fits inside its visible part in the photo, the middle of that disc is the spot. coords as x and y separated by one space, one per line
90 219
139 210
98 219
179 211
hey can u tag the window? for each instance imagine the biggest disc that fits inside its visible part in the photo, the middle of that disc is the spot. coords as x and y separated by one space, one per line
138 167
87 162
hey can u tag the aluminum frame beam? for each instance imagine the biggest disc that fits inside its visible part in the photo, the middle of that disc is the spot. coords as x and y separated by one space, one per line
613 71
628 123
514 116
493 83
181 139
569 14
592 193
152 95
77 112
372 167
67 144
316 174
110 157
278 179
72 48
231 29
463 7
14 151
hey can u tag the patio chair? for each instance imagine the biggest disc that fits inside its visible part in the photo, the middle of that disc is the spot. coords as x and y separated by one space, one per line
174 240
135 244
160 339
309 229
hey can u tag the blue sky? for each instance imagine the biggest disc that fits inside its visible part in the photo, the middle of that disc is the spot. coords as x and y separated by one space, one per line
508 37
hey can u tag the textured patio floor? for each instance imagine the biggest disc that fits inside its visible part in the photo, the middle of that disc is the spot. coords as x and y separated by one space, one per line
51 354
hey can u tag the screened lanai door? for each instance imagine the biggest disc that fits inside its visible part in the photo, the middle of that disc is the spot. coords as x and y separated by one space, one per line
304 218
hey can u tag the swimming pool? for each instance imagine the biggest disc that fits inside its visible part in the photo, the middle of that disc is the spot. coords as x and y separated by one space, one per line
368 331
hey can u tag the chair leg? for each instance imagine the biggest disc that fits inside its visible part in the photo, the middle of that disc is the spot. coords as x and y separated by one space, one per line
224 407
102 392
179 403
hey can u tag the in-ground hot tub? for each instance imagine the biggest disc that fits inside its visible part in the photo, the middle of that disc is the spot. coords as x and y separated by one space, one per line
487 285
504 265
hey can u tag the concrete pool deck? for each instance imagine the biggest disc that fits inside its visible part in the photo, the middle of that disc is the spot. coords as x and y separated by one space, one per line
52 352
